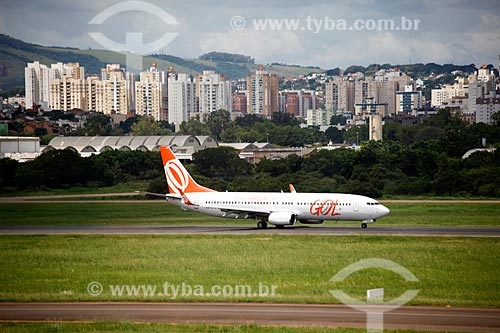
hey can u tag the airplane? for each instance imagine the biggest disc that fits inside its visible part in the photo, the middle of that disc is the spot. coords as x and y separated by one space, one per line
278 209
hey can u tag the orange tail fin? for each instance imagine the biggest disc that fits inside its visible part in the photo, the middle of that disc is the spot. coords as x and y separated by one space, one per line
178 178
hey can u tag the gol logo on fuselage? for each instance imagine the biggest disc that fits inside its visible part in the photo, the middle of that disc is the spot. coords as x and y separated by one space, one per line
326 207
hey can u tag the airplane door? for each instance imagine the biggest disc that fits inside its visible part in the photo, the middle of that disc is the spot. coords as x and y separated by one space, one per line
355 206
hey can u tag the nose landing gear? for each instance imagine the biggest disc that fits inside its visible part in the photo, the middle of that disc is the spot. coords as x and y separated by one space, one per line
364 224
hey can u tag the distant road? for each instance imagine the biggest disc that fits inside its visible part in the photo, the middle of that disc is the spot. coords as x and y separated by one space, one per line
67 199
250 229
407 317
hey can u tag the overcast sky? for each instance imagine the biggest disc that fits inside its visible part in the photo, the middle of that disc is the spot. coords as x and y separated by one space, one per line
449 31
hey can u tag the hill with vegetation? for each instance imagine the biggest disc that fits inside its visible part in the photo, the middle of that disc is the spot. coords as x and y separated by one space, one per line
15 53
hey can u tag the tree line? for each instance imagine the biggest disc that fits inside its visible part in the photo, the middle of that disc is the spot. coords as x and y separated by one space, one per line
420 159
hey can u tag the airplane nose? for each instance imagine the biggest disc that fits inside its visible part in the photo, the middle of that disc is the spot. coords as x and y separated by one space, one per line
384 210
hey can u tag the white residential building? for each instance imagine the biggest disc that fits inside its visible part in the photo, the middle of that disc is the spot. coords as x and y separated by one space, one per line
73 70
68 93
486 106
480 83
408 100
181 98
443 97
36 80
67 87
319 117
213 92
148 95
113 94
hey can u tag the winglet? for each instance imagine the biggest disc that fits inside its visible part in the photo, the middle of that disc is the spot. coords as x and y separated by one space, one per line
292 189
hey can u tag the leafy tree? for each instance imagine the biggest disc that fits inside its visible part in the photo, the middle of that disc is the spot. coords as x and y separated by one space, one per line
147 125
8 168
495 118
98 124
356 134
283 118
222 162
218 122
194 127
126 125
334 134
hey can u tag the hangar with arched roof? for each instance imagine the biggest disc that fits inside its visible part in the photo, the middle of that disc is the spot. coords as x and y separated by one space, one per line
183 145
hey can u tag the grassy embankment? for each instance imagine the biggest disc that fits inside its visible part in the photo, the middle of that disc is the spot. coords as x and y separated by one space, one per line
110 327
452 271
160 213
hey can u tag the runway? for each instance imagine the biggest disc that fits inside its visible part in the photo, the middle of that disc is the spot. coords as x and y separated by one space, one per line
98 198
417 318
355 229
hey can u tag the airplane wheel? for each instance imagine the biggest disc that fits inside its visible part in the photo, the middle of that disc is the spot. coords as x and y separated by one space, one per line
364 225
262 225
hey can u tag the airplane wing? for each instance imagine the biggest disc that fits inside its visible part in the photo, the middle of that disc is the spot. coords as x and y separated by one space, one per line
162 195
245 213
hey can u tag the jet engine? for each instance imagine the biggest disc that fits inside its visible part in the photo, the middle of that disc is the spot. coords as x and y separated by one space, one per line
282 218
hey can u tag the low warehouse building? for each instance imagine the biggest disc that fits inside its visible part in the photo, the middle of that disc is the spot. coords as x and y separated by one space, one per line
19 148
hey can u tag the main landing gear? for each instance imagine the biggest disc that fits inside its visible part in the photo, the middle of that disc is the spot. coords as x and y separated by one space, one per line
262 225
364 225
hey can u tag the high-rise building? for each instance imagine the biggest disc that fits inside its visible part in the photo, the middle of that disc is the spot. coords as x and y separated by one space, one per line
346 96
309 101
116 90
281 102
486 106
68 89
213 92
363 90
68 93
161 77
36 80
73 70
114 70
262 93
480 83
443 97
113 94
408 100
148 95
181 98
332 94
339 94
93 83
319 117
293 103
239 102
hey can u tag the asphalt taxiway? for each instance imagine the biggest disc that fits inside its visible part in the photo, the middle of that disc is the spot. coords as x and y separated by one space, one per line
251 230
407 317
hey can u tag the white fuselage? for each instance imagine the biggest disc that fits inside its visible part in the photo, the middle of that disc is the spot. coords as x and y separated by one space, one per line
305 206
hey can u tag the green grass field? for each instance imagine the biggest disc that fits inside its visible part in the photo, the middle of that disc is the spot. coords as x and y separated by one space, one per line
170 328
119 188
160 213
451 271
